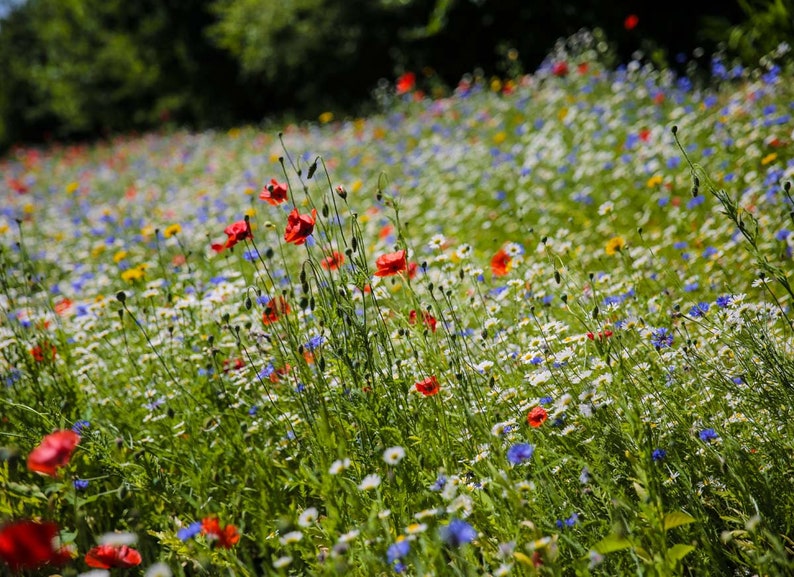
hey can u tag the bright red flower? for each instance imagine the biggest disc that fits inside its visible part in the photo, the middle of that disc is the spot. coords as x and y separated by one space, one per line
391 264
236 232
333 261
63 306
274 193
226 537
631 21
108 556
537 416
428 387
299 226
275 309
500 263
560 69
428 319
30 545
54 451
18 186
406 82
39 352
601 335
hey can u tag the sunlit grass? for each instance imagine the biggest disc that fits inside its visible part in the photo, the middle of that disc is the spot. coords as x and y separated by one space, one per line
522 333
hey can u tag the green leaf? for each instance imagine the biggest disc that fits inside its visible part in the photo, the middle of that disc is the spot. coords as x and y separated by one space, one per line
678 552
611 544
676 519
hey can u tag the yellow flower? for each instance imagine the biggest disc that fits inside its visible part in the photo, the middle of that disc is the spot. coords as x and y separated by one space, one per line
499 137
133 274
655 180
771 157
615 244
326 117
171 230
119 256
72 187
496 85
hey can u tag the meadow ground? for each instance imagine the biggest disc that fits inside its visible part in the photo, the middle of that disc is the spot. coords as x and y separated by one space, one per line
508 332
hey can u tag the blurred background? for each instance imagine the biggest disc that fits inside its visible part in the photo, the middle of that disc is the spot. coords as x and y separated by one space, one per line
77 69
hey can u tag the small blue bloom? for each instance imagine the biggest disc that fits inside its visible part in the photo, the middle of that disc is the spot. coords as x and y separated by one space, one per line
546 400
441 481
314 342
519 453
80 484
458 533
397 551
80 426
699 309
708 435
658 454
661 338
724 301
189 532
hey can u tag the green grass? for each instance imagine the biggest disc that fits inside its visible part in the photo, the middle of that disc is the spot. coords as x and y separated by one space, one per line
642 301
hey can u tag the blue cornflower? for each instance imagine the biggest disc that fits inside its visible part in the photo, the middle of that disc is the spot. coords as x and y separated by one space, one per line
519 453
314 342
699 310
658 454
536 360
189 532
267 371
724 301
80 484
782 234
439 484
569 522
708 435
253 410
397 551
546 400
458 533
661 338
80 425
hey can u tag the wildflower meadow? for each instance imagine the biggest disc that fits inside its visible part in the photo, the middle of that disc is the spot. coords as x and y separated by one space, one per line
537 326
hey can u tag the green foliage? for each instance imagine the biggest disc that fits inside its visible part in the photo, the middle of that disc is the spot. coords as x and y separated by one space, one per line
767 24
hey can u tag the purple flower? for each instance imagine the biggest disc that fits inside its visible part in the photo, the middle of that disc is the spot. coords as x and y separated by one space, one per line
661 338
519 453
708 435
397 551
658 454
458 533
189 532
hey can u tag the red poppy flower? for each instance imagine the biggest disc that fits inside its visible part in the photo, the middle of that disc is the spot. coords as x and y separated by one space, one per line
226 537
560 69
236 232
631 21
38 352
30 545
54 451
333 261
601 335
18 186
63 306
537 416
299 226
108 556
274 193
500 263
275 309
428 387
428 319
391 264
406 82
